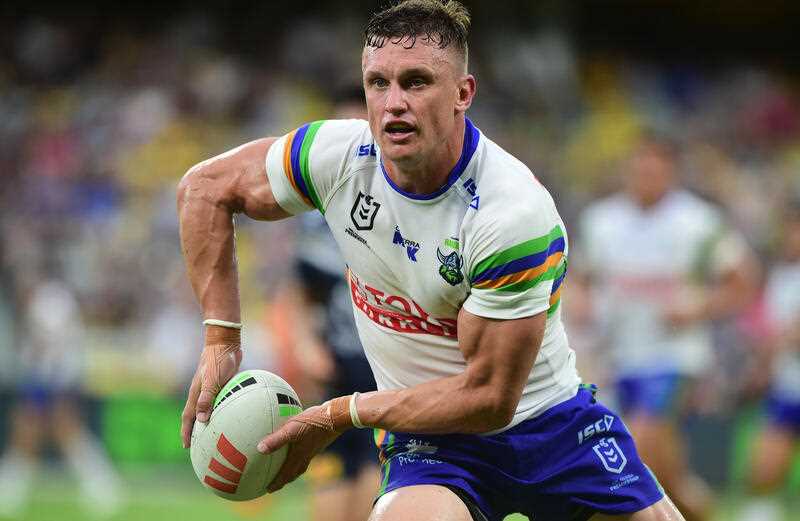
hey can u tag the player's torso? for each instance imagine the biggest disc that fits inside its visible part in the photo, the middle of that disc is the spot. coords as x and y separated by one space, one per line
647 261
489 241
658 245
403 254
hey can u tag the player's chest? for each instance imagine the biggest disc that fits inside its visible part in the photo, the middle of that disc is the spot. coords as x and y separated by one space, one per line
402 253
645 244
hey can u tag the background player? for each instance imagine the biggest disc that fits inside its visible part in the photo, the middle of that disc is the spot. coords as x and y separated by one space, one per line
662 264
457 305
773 451
50 375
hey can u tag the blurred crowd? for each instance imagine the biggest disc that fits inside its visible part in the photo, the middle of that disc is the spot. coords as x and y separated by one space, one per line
94 136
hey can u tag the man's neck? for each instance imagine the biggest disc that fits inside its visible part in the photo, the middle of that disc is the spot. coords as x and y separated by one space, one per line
428 174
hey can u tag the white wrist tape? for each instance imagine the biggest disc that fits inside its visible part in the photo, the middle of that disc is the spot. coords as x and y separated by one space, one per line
354 412
222 323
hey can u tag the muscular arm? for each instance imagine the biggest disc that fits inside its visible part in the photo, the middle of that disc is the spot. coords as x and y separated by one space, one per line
500 355
208 196
733 291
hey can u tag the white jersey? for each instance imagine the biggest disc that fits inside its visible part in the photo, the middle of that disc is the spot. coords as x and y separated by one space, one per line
782 300
490 241
645 260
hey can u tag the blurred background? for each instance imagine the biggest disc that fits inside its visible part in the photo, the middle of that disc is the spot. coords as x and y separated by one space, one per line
102 111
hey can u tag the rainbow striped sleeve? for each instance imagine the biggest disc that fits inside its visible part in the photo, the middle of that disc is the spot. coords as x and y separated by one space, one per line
525 265
296 163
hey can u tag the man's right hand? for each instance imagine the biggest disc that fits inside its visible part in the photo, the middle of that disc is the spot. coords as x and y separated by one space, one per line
219 362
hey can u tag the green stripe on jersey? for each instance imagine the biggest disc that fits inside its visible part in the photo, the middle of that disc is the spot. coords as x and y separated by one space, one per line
523 249
308 140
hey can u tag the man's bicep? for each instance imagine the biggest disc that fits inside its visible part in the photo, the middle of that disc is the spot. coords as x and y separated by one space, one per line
256 195
500 353
235 180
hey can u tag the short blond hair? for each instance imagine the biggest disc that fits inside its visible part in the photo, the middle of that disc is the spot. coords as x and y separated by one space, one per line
440 22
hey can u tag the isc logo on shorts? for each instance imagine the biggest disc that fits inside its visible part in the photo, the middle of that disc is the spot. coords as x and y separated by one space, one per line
601 425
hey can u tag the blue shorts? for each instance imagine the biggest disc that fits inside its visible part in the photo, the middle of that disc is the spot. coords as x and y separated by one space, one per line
783 412
657 395
43 396
574 460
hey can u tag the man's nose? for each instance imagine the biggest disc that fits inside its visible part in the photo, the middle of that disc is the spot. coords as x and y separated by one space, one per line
396 100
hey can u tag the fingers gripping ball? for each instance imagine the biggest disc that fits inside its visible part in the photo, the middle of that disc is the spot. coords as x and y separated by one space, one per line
223 451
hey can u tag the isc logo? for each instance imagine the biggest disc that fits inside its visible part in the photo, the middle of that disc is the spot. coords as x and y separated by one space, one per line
602 425
232 455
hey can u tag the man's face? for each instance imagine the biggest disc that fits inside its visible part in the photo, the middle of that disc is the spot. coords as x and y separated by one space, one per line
650 174
412 97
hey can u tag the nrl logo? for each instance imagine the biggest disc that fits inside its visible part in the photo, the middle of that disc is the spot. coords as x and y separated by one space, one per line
450 270
611 456
364 211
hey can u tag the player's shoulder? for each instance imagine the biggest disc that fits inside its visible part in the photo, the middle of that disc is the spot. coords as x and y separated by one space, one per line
609 206
693 210
686 200
340 134
514 207
506 186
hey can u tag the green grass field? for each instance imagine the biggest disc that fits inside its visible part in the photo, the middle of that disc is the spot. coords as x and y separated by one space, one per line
166 494
140 433
173 494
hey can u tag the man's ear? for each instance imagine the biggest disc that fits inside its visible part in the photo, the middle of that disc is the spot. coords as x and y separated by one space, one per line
466 92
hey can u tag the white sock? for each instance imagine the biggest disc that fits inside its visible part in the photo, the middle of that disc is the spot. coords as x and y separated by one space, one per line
100 483
16 478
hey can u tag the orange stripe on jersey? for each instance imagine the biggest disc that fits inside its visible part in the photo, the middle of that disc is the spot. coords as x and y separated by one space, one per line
287 158
287 166
555 296
522 276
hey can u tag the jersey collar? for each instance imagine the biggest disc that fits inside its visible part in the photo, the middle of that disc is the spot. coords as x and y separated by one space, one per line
471 137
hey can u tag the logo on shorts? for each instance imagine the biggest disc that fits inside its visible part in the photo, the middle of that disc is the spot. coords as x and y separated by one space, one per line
610 455
364 211
594 428
417 447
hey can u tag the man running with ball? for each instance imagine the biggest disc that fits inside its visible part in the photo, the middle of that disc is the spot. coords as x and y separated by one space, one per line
456 255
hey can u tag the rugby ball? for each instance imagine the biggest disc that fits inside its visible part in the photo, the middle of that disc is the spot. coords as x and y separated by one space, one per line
223 451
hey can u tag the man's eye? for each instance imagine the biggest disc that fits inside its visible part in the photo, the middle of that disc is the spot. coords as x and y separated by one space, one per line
380 83
417 82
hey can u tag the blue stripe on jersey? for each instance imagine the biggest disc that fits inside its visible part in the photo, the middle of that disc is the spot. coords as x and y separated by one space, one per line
297 145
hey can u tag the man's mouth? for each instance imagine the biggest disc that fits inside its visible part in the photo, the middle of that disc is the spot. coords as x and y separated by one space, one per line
399 130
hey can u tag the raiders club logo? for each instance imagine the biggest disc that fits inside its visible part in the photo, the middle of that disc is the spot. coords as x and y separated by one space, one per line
450 268
364 211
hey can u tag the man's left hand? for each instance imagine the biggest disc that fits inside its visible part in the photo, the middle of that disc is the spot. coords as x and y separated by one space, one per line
307 434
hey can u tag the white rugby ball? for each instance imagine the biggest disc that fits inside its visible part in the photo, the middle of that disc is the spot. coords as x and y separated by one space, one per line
224 456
